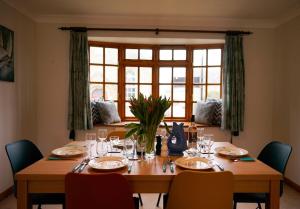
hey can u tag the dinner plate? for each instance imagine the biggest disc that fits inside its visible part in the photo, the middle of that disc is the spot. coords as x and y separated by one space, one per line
69 151
108 163
231 151
194 163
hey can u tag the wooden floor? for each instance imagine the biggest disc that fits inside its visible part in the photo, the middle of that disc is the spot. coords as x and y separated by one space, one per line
289 200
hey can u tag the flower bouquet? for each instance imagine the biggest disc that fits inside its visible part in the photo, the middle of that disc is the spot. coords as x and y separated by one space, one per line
150 112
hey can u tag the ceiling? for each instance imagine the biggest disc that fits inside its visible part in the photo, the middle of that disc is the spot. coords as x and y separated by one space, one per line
233 9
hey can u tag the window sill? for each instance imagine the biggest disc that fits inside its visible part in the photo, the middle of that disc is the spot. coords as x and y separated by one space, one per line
123 123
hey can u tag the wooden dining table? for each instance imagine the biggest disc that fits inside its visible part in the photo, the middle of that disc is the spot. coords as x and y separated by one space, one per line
147 176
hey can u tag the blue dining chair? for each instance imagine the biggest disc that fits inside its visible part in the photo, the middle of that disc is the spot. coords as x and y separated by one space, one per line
276 155
22 154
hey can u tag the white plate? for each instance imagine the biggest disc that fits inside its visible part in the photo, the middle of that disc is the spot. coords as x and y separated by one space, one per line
108 163
69 151
231 151
194 163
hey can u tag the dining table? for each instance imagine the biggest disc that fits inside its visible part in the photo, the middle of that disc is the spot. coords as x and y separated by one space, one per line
148 176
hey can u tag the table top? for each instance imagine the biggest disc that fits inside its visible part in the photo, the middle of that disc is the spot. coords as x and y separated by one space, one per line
54 170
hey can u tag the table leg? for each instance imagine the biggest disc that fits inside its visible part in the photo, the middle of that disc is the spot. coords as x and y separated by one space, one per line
274 196
22 200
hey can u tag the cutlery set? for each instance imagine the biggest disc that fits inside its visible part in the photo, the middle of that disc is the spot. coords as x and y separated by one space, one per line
81 166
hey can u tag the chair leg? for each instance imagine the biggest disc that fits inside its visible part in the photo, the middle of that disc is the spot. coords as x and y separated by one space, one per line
140 197
39 206
234 204
158 200
258 206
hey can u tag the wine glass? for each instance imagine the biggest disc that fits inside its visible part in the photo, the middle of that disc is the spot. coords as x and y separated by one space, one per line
208 141
102 135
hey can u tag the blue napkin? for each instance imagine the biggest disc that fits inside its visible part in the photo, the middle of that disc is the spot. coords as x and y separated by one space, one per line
180 145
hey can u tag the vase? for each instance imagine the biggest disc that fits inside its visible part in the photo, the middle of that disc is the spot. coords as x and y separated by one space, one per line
149 144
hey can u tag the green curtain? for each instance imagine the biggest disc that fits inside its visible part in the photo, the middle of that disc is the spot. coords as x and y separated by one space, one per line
233 84
79 117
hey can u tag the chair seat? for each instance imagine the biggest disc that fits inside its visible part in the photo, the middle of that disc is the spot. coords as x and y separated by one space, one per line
250 197
46 199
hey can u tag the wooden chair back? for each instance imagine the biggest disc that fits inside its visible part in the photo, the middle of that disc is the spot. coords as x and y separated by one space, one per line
201 190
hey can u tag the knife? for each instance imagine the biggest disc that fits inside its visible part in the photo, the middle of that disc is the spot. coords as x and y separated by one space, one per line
129 167
171 166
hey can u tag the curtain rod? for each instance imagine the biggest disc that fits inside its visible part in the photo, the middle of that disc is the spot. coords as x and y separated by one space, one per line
157 30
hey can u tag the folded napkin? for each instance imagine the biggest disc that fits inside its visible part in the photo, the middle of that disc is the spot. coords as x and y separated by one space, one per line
247 159
180 145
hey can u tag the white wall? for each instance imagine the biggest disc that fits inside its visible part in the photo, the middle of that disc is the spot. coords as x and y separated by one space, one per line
35 106
17 99
286 93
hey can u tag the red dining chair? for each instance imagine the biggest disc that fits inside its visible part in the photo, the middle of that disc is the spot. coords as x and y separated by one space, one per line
95 191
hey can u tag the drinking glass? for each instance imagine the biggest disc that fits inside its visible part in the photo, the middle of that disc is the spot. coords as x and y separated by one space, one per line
114 140
142 144
200 132
90 139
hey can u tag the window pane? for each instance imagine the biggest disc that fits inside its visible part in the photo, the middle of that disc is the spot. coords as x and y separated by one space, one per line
194 108
127 110
111 56
199 58
131 91
165 54
214 75
111 74
146 54
165 75
178 109
96 92
179 75
111 92
131 74
213 91
145 75
199 75
198 93
96 55
179 93
146 90
214 57
168 112
165 91
132 54
96 73
180 54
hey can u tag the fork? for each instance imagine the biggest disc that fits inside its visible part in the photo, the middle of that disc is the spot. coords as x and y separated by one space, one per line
84 164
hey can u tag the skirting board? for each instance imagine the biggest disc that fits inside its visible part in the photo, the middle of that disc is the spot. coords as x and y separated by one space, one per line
6 193
292 184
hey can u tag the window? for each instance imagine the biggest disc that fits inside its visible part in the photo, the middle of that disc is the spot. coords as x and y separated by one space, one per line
185 74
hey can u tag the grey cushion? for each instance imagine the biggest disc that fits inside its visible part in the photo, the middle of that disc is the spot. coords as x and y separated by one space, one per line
108 112
95 113
204 112
217 115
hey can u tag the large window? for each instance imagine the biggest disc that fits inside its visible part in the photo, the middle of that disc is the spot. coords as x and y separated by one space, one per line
185 74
